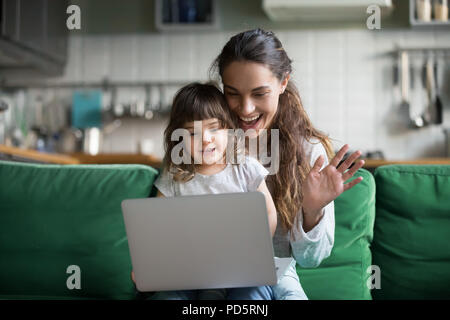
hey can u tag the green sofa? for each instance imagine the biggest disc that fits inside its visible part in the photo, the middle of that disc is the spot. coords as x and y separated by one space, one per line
62 234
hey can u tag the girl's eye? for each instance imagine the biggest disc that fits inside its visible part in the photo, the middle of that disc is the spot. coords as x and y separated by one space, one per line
231 94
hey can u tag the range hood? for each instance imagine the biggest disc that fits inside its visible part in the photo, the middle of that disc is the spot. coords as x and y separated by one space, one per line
16 58
322 10
33 37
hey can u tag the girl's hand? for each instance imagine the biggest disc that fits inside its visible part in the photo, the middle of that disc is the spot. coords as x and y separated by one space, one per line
132 278
271 210
322 187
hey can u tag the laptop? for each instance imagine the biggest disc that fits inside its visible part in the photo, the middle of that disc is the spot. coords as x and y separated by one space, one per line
201 242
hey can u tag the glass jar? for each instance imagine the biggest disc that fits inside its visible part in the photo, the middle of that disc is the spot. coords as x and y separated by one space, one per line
423 8
441 10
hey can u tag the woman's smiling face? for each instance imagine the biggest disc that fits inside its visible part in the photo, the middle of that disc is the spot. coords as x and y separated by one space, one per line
252 92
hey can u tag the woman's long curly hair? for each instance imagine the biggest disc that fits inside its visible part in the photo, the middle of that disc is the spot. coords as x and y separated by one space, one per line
290 119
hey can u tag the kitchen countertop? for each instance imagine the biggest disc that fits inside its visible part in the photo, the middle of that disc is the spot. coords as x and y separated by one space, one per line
150 160
19 154
118 158
28 155
373 163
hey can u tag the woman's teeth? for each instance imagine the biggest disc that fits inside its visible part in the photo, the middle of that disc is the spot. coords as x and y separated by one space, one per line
249 119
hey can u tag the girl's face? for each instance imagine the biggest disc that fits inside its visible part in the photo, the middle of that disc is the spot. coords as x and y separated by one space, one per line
252 92
208 141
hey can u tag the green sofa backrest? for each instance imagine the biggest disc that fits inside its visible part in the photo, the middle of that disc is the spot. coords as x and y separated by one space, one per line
56 216
53 217
412 232
344 274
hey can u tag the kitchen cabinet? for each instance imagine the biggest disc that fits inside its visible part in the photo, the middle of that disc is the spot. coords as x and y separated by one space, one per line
33 35
186 15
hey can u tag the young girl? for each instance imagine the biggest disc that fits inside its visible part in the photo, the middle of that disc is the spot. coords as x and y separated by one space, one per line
207 171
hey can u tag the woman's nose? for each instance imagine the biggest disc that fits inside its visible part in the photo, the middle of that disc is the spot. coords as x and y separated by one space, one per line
247 107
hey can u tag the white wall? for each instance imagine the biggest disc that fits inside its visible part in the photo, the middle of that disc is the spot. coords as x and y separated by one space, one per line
345 78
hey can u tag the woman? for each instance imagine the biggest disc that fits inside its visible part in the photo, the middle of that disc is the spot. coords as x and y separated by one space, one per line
255 72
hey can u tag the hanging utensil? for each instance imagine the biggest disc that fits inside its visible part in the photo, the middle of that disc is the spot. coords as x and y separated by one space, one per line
430 112
3 105
437 101
447 141
162 98
405 111
148 113
416 105
117 106
425 118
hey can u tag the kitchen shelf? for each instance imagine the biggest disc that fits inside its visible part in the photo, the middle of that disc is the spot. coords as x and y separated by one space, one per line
105 84
421 51
415 23
430 24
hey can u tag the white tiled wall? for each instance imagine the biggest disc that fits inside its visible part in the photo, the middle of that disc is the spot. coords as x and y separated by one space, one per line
345 79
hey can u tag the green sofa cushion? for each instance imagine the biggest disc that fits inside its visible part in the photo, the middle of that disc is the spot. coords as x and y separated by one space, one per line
412 232
343 275
55 216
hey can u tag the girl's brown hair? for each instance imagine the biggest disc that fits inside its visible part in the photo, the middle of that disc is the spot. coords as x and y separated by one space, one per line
290 119
194 102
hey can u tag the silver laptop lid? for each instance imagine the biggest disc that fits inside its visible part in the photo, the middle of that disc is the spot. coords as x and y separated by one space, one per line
198 242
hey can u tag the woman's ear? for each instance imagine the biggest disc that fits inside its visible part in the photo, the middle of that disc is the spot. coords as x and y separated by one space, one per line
285 82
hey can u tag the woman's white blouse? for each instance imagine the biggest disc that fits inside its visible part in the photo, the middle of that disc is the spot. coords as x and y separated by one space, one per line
308 248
